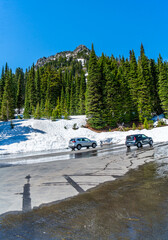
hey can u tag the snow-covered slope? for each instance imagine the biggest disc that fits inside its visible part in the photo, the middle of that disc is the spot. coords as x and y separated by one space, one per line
41 135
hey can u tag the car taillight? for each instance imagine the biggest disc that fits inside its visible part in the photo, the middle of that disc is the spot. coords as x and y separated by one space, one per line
74 141
134 138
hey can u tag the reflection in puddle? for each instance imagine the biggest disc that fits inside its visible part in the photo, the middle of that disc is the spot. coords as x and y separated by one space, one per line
84 154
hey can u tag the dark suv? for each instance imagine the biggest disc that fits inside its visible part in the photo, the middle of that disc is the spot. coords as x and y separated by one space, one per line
138 140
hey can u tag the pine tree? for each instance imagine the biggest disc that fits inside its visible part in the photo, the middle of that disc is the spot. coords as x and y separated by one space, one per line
66 115
155 100
58 108
43 83
67 90
62 101
19 95
143 95
142 51
126 106
77 92
133 126
6 70
146 126
94 103
7 107
113 89
82 95
72 110
30 98
101 66
133 84
42 107
2 85
47 109
48 93
26 112
37 114
19 82
32 89
163 85
56 113
38 86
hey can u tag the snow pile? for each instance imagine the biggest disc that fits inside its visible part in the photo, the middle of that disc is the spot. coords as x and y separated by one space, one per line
43 135
164 120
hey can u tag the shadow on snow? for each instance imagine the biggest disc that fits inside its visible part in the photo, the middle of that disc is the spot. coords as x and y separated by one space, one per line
16 135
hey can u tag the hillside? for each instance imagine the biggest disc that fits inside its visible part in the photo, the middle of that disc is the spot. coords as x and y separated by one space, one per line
81 53
110 91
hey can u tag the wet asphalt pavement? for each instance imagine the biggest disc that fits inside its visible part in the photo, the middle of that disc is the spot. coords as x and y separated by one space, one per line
65 154
134 206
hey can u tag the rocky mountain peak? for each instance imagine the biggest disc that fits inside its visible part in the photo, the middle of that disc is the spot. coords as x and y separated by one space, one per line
80 51
80 48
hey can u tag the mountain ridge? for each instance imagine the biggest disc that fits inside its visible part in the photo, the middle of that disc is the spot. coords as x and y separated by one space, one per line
81 52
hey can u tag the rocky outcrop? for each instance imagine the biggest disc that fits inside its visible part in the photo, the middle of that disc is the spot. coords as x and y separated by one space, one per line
79 53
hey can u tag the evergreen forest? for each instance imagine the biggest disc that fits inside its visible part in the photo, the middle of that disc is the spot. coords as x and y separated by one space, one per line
108 90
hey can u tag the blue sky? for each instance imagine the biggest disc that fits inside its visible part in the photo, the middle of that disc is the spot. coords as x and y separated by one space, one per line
30 29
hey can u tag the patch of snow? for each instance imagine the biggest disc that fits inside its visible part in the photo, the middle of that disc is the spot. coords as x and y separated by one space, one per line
42 135
82 60
162 119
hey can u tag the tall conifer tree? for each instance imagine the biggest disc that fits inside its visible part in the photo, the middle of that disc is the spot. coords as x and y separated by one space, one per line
143 95
94 97
77 92
113 89
7 107
72 98
2 85
155 100
82 94
163 85
31 91
19 94
38 86
133 84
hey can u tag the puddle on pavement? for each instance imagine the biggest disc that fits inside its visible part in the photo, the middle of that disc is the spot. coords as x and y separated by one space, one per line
84 154
108 150
132 207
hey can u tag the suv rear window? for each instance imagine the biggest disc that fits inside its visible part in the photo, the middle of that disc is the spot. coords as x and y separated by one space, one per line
130 138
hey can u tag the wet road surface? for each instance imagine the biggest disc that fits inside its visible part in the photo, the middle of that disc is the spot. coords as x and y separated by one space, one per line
59 179
32 158
133 206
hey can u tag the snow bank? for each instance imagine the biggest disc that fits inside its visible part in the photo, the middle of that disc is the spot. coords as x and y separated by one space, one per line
42 135
163 120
